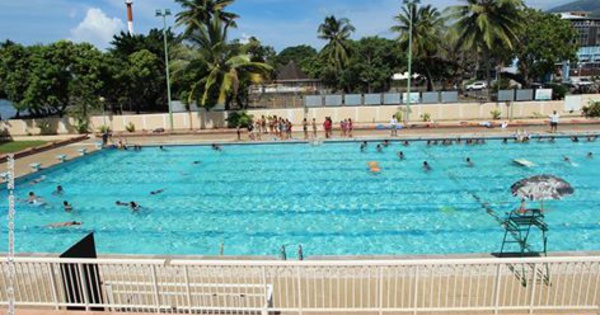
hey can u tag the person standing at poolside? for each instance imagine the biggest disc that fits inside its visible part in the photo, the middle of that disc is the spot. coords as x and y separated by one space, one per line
314 127
393 126
326 125
349 127
305 128
554 122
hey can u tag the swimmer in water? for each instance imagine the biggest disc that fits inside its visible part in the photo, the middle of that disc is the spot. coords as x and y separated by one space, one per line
401 155
196 162
363 146
590 155
426 166
38 180
120 203
406 143
156 192
59 190
386 143
469 162
63 224
134 206
67 206
568 160
379 148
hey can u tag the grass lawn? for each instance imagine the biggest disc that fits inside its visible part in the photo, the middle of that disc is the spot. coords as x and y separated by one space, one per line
14 146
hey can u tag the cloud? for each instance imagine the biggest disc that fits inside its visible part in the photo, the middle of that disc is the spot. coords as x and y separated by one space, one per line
96 28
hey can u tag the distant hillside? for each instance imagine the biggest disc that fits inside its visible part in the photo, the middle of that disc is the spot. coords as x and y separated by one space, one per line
591 6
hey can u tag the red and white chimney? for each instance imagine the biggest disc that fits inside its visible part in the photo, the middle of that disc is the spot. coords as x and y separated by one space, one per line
129 4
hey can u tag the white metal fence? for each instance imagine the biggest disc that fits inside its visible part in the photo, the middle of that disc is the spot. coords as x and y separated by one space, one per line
253 287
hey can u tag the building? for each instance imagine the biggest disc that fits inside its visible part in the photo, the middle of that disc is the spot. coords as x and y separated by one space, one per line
290 80
588 41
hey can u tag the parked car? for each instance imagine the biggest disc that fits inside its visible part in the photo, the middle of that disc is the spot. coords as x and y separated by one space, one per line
476 86
583 83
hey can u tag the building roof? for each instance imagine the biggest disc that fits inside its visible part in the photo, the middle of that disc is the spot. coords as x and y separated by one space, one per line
291 72
577 16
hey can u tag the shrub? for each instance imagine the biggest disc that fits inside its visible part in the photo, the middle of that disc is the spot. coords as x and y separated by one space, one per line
558 91
496 114
83 126
592 109
241 119
426 117
45 127
398 115
104 129
130 127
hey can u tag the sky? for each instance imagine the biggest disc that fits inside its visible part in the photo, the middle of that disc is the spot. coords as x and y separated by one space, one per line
279 23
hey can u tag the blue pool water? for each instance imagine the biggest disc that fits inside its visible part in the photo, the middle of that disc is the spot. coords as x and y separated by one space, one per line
256 198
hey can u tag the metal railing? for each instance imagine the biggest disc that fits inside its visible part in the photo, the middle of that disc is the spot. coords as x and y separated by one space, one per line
383 286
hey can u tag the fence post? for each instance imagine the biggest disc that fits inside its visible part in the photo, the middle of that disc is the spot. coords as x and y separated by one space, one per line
416 297
53 285
84 289
155 283
298 277
497 290
380 290
265 310
533 287
187 287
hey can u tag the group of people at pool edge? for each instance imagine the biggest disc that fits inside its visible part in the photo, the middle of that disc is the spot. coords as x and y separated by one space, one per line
280 128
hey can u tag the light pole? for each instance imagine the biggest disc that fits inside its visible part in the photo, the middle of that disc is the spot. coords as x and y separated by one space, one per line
102 100
164 13
411 6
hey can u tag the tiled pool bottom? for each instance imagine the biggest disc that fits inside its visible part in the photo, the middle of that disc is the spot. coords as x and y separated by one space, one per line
252 200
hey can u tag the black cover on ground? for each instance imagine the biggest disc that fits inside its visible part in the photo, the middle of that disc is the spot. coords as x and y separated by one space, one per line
85 280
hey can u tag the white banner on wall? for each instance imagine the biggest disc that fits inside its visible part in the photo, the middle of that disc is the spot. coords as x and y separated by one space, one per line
414 97
543 94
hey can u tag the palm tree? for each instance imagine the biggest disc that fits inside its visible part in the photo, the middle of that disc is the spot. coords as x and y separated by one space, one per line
427 23
199 13
336 32
225 69
483 23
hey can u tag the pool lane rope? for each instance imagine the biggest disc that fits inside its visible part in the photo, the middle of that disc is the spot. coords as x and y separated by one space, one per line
455 178
10 291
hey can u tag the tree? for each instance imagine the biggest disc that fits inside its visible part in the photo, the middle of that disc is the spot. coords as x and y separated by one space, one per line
15 65
154 97
484 24
545 40
62 74
301 55
140 71
197 14
427 24
336 33
226 68
374 62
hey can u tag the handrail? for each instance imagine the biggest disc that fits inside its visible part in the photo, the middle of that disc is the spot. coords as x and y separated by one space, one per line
391 262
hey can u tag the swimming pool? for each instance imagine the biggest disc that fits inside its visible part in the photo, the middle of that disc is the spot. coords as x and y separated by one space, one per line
255 198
